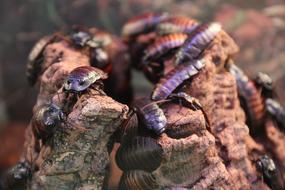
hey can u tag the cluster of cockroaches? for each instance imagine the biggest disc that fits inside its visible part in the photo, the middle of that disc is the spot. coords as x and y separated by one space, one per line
169 50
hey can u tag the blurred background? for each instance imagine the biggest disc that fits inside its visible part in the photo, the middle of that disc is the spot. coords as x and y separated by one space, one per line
258 27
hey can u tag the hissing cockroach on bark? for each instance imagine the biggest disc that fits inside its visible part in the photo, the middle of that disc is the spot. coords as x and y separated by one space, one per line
35 58
277 113
17 177
265 83
46 120
177 24
143 23
197 42
81 78
251 99
139 180
140 153
176 77
163 45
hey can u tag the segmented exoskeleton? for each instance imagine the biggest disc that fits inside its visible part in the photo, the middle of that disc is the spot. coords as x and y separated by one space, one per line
176 77
197 42
265 83
143 23
277 113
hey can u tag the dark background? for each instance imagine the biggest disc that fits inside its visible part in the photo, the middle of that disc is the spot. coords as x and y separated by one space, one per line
258 26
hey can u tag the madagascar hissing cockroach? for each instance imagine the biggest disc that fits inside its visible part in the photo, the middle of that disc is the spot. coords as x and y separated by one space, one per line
270 175
176 77
265 83
17 177
34 65
139 180
250 96
143 23
46 119
177 24
277 112
82 78
197 42
163 45
139 153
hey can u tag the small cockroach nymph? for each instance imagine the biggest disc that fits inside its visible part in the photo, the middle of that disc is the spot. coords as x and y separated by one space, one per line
163 45
81 78
46 120
142 153
99 58
143 23
138 179
197 42
17 177
265 83
80 38
175 78
177 24
277 112
270 174
34 65
251 99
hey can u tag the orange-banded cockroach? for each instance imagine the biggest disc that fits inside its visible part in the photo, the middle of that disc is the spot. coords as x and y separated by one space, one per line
197 42
175 78
143 23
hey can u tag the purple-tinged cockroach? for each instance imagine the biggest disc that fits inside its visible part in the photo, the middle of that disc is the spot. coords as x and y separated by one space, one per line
80 38
277 112
177 24
17 177
140 153
34 65
176 77
139 180
46 120
143 23
270 174
265 83
163 45
251 99
197 42
82 78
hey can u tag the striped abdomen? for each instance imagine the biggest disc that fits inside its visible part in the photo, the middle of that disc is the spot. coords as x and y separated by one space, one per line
176 77
198 41
163 45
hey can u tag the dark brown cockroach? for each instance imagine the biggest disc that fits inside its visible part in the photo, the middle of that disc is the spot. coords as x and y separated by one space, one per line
270 174
265 83
81 78
177 24
163 45
197 42
176 77
140 153
251 99
277 112
80 38
17 177
143 23
138 179
34 65
46 120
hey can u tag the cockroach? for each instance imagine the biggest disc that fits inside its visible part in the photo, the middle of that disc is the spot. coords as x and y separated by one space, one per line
163 45
265 83
176 77
269 172
81 78
80 38
99 59
34 65
17 177
143 23
197 42
139 180
46 120
277 112
177 24
140 153
251 99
